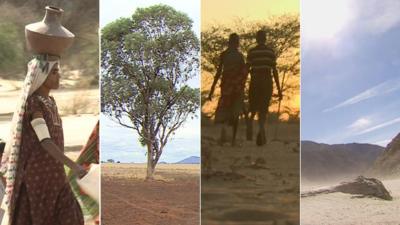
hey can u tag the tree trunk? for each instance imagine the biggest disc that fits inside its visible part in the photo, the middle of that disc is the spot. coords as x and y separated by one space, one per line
150 166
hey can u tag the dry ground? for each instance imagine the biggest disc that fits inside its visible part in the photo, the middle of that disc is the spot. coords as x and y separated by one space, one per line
248 184
171 199
344 209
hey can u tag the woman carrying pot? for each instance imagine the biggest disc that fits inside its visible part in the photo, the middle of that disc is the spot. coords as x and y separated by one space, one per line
37 189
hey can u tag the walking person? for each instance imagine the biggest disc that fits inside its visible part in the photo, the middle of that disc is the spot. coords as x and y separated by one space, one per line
233 73
261 60
37 188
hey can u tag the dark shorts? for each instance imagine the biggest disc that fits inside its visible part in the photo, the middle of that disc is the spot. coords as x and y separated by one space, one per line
260 93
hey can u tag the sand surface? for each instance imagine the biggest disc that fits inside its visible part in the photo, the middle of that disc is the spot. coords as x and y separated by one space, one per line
345 209
248 184
173 198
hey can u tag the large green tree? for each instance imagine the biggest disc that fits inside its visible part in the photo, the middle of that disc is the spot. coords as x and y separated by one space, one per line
146 63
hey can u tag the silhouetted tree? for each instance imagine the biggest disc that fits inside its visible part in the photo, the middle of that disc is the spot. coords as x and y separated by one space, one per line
283 34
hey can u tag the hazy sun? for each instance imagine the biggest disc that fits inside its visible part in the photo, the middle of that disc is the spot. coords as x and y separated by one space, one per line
324 19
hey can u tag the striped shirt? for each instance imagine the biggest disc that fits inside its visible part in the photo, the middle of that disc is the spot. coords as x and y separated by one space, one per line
261 59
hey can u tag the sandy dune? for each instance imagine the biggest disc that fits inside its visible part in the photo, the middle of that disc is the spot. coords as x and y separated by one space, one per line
171 199
249 184
344 209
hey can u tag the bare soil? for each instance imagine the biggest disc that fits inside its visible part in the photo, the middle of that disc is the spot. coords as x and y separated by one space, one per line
172 198
248 184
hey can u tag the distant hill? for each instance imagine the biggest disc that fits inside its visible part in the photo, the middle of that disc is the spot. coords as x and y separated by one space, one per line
323 161
388 163
190 160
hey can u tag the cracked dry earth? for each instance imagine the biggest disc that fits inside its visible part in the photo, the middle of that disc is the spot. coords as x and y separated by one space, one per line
248 184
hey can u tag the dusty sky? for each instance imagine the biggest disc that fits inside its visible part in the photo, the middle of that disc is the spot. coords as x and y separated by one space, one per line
223 11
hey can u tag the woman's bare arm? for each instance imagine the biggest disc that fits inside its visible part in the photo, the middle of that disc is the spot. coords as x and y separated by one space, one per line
54 151
51 148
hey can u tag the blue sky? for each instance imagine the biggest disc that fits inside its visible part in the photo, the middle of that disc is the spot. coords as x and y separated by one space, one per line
121 144
350 68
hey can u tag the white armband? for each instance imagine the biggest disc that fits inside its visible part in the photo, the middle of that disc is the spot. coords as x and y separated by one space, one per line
40 128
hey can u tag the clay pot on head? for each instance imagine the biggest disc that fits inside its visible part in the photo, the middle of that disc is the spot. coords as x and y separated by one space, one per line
48 36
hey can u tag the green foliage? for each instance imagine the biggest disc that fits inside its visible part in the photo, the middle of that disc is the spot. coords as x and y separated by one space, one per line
10 52
146 62
80 17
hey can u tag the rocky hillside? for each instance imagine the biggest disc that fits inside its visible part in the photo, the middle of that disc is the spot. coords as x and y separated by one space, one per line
388 163
322 161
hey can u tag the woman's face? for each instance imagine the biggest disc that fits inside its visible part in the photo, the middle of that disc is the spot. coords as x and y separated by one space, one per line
53 79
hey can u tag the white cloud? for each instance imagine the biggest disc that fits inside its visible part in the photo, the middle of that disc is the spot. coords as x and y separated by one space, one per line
329 24
378 16
324 20
380 126
359 124
378 90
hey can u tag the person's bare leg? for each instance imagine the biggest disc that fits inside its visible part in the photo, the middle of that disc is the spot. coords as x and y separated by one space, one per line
264 129
261 139
265 126
234 130
249 126
222 138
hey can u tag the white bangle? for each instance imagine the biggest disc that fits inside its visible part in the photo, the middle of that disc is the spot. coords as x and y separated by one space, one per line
40 128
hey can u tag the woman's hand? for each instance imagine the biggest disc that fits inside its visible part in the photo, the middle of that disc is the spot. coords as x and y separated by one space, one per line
54 151
79 171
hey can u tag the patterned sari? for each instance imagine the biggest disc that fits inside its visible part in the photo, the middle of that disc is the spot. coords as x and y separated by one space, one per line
37 191
38 70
